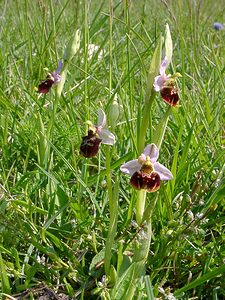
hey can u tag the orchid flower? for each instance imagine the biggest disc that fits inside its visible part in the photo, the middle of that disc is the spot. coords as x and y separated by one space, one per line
165 84
96 134
52 79
105 135
162 78
146 173
55 74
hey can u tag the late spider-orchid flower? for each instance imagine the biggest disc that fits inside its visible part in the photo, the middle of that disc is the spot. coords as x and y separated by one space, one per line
146 173
162 78
165 84
96 134
52 79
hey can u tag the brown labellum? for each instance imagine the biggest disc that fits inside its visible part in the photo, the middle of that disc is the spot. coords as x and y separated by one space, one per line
45 85
170 95
145 181
90 144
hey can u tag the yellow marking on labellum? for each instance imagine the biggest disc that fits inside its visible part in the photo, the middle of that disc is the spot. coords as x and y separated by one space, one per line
147 166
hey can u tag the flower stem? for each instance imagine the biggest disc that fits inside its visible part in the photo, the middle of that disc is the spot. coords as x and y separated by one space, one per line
140 206
141 195
113 212
108 176
141 250
149 98
145 120
86 45
161 128
113 206
150 94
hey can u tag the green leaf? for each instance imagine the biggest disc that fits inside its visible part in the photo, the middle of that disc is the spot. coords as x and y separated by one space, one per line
149 288
124 283
5 286
199 281
113 275
96 260
154 67
72 48
150 94
161 128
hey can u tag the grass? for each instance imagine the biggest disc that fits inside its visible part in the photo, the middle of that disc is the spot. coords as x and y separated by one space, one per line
54 204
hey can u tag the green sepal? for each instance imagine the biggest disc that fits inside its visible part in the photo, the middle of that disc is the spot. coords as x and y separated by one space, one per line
168 44
154 68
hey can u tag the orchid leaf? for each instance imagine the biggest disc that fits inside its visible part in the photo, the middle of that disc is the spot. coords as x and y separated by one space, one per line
154 67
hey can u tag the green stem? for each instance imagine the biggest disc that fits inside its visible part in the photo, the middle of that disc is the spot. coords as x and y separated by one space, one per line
141 250
140 206
111 233
149 98
113 212
108 176
110 44
145 120
141 195
86 45
112 204
150 95
161 128
157 139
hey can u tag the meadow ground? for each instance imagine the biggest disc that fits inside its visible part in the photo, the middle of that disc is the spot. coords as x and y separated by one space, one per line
73 227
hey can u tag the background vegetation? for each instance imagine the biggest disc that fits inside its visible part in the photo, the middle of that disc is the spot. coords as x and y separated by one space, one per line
53 202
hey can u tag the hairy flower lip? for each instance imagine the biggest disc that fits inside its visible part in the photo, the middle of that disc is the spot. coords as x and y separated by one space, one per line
90 145
97 134
165 84
52 78
170 95
137 167
45 85
142 181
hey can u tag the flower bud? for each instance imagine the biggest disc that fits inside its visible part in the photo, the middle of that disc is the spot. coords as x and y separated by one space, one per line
72 46
114 112
104 184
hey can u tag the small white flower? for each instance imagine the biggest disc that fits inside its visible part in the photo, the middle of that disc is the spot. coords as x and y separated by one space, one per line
190 215
199 215
92 49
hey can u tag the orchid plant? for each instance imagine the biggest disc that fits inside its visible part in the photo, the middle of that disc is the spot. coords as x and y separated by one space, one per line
163 83
96 134
52 78
146 173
